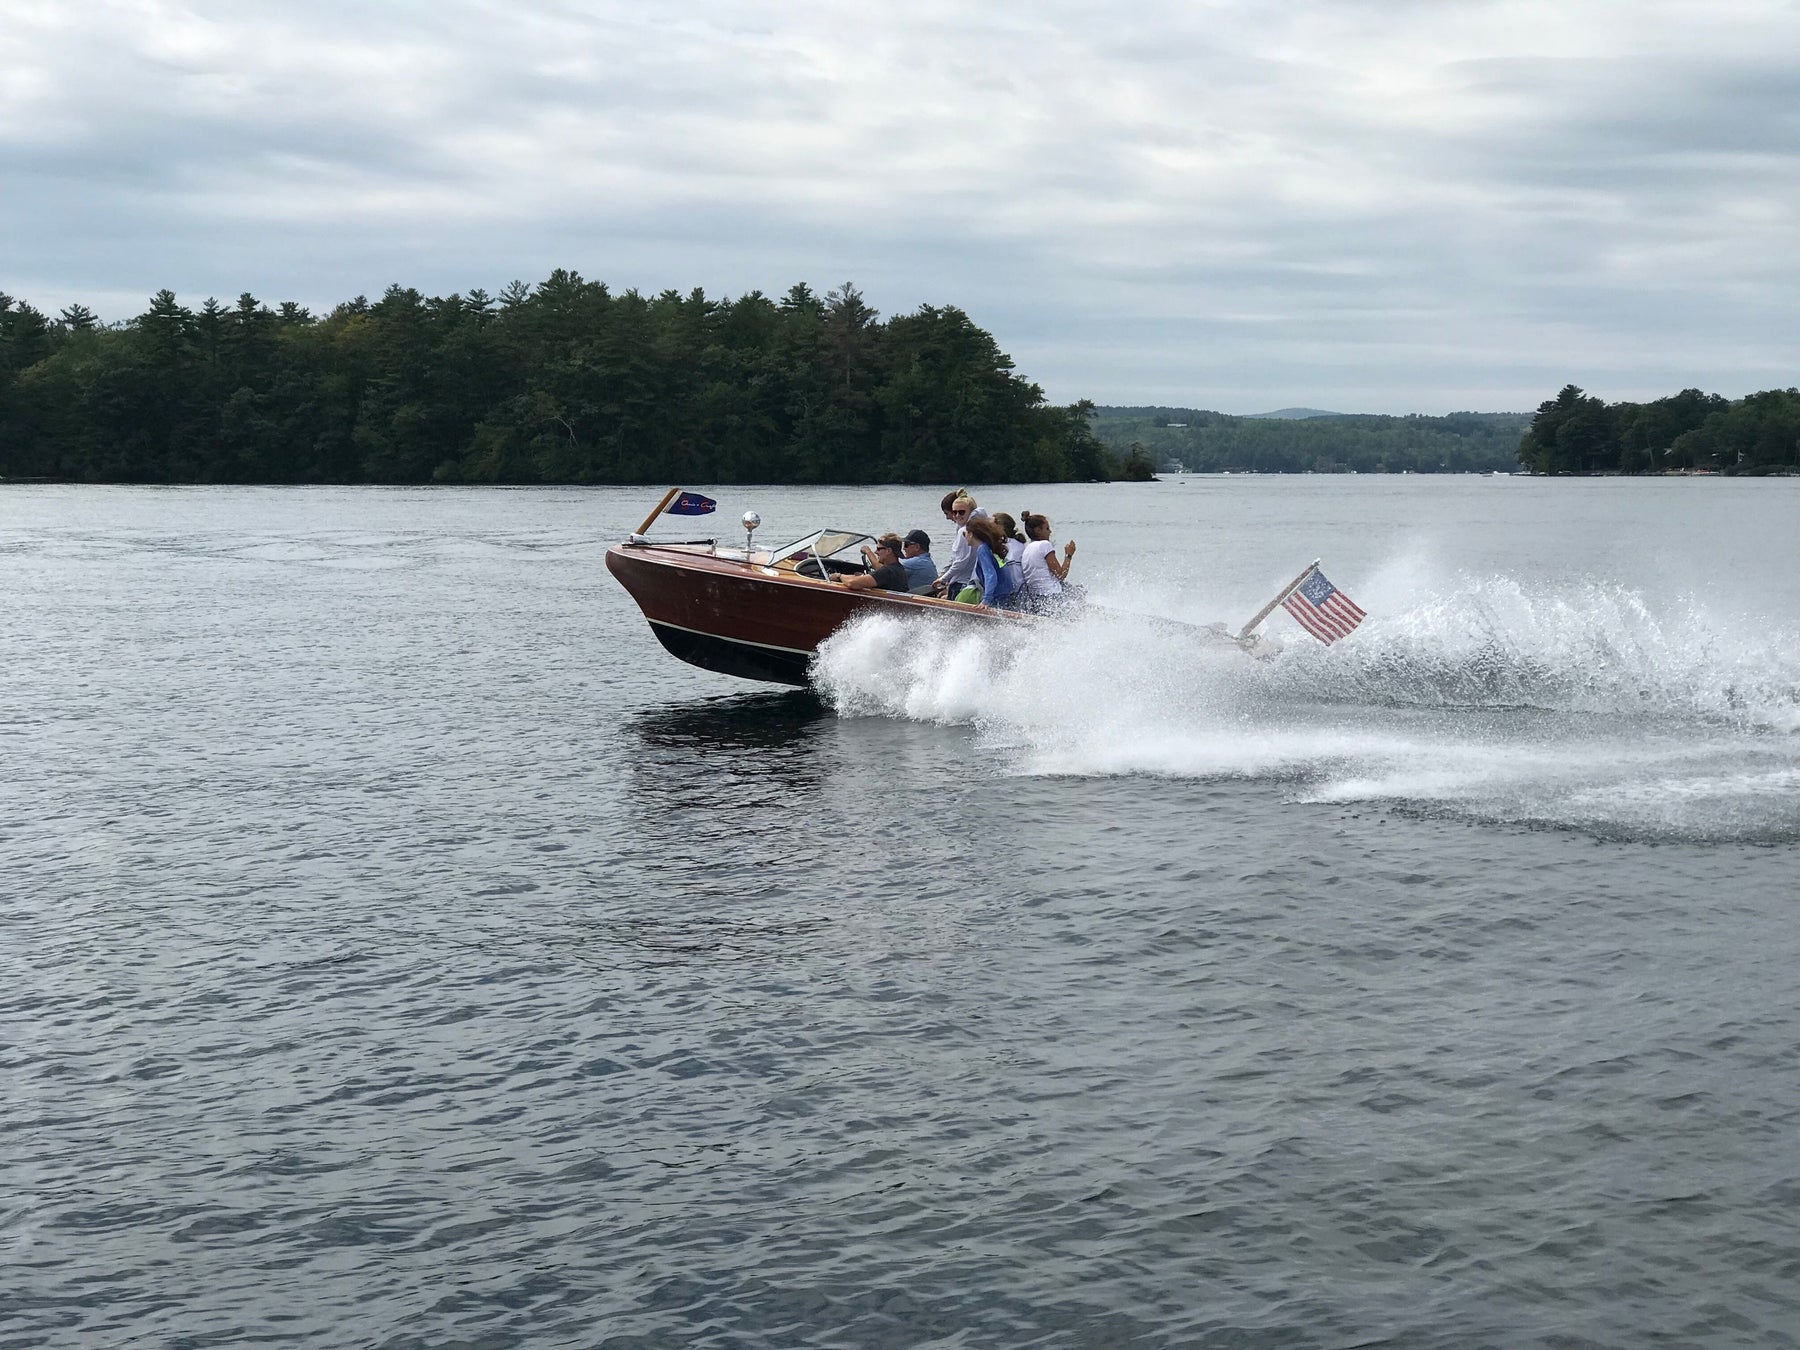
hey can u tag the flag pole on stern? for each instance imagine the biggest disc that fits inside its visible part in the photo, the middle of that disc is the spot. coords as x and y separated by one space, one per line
1284 593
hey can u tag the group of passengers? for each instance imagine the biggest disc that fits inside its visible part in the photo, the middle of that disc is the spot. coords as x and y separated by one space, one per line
991 562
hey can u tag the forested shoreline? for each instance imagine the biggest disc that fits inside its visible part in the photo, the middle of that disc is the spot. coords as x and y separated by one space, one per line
562 382
1688 432
1214 442
1573 434
567 382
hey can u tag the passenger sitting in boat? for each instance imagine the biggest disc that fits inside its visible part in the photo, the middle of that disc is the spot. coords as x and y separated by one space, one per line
1015 542
1041 572
998 580
915 557
888 574
959 510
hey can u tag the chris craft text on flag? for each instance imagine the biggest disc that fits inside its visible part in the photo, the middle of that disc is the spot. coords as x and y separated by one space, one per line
1322 609
691 504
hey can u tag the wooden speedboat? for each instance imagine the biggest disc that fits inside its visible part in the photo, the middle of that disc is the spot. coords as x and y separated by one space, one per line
762 613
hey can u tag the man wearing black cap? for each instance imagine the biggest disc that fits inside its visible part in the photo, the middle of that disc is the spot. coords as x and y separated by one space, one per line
888 574
915 551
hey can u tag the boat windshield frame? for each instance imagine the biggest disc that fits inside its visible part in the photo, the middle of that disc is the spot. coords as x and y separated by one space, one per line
824 544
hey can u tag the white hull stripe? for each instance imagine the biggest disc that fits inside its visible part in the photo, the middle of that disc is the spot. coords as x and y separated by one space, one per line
736 642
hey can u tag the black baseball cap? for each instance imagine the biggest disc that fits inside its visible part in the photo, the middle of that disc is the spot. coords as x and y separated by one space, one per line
920 538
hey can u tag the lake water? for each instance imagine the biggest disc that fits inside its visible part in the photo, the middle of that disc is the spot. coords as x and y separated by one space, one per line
401 950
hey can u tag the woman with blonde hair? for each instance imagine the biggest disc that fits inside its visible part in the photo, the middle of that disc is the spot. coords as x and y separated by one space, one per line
959 510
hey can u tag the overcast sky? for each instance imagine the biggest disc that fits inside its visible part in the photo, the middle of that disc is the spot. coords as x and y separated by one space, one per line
1359 205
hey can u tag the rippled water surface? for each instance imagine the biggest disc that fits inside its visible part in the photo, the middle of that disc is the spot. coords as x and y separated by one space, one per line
400 949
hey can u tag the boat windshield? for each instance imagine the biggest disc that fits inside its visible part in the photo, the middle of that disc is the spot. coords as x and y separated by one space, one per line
824 544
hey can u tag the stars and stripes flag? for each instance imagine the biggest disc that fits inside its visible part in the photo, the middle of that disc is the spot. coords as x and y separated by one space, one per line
1322 609
691 504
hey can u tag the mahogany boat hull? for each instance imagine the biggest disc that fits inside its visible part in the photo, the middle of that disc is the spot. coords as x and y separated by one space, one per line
757 623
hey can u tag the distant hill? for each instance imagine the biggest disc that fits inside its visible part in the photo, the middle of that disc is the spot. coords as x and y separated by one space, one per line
1305 440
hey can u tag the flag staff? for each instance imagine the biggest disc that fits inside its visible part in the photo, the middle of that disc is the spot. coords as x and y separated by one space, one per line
650 519
1286 591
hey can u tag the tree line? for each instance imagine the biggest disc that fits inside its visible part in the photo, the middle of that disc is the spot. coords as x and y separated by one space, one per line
1214 442
562 382
1576 433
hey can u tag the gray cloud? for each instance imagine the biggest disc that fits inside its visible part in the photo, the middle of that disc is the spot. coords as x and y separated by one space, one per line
1371 206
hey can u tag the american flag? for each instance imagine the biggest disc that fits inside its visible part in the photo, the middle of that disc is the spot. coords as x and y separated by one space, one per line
1322 609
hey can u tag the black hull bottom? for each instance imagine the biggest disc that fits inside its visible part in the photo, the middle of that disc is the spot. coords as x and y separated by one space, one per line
773 665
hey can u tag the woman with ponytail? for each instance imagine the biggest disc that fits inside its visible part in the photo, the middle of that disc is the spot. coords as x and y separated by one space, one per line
1041 572
959 510
1015 542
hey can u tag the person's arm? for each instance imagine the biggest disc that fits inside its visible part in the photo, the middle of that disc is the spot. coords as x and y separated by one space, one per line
856 581
947 580
1059 567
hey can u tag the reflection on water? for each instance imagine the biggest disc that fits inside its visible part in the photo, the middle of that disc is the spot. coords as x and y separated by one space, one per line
741 752
660 939
763 719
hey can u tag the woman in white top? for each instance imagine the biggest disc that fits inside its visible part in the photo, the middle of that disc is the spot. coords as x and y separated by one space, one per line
1041 571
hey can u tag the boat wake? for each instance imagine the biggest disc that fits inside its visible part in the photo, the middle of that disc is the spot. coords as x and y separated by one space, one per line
1581 707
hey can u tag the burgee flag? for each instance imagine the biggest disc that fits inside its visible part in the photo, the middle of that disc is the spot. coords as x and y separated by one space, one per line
1322 609
691 504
